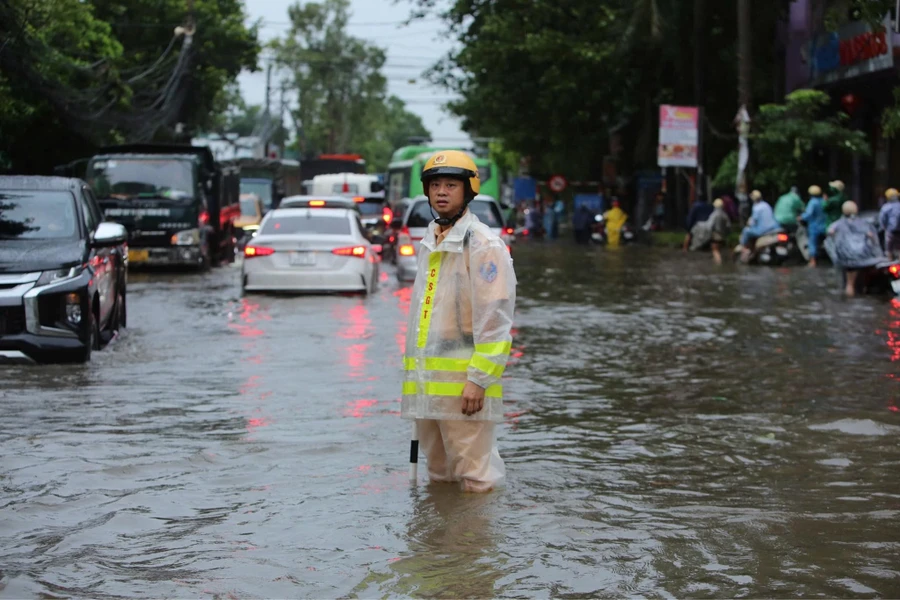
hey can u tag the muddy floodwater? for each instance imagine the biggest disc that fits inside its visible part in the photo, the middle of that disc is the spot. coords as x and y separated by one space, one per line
672 429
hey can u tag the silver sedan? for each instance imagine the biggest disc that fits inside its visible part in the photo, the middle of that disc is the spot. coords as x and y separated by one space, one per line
310 250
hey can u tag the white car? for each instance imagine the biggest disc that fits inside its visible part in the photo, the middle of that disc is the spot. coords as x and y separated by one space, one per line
418 216
310 250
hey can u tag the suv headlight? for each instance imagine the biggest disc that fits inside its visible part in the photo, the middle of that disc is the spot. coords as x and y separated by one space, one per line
188 237
48 277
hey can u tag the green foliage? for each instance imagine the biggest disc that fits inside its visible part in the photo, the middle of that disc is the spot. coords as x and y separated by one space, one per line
343 103
726 175
789 137
890 120
76 74
553 79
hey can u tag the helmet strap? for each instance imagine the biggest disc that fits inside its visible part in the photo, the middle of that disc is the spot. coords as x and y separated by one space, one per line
448 221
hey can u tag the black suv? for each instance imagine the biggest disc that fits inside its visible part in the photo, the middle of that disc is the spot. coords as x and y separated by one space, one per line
62 271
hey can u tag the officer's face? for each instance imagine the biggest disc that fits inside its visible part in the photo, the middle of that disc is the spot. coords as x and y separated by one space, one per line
447 195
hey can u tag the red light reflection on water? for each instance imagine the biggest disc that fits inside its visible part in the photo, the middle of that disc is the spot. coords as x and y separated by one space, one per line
892 335
404 297
358 327
248 315
359 408
358 322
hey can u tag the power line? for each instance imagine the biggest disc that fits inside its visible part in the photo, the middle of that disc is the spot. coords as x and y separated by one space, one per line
403 23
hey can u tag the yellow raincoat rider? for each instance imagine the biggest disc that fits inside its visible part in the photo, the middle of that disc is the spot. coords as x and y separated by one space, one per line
458 338
615 219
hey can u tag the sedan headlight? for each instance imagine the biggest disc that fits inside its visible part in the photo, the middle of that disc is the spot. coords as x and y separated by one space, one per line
48 277
188 237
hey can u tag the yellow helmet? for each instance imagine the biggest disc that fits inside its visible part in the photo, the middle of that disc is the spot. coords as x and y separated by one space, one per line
837 184
891 194
452 163
849 208
755 195
718 203
814 190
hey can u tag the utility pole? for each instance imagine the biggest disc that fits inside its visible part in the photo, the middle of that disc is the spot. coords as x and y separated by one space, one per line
267 114
280 131
700 91
742 120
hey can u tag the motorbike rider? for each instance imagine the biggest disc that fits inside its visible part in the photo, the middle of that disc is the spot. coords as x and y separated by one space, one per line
856 245
815 219
834 202
889 222
787 208
720 227
700 212
615 219
762 221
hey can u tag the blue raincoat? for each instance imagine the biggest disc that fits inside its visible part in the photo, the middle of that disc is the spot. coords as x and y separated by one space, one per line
816 223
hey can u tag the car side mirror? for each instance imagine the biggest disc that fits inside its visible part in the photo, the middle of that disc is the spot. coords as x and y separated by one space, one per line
397 223
109 234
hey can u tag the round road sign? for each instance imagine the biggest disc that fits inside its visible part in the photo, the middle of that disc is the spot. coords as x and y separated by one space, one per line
557 183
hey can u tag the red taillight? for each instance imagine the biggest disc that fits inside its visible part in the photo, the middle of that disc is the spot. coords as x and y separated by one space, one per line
407 250
203 219
782 237
525 232
387 214
359 199
251 251
358 251
894 270
510 231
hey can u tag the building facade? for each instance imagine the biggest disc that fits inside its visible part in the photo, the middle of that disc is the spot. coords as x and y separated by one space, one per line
859 68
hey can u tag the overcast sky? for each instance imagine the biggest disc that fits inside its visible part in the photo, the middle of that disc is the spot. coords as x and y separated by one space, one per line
410 51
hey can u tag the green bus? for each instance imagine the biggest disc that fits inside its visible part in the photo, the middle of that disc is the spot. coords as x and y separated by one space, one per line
405 172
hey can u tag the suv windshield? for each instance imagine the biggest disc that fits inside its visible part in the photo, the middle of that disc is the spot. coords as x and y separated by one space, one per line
487 212
37 215
130 178
260 187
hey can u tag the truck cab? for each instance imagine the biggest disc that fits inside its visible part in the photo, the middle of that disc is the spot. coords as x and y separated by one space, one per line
177 204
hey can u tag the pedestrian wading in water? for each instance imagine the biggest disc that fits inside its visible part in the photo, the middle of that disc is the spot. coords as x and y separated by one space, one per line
458 339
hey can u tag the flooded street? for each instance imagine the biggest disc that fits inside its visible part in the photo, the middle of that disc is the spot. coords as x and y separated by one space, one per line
672 430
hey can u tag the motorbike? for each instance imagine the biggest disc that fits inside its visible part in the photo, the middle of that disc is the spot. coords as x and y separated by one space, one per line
599 236
770 249
881 278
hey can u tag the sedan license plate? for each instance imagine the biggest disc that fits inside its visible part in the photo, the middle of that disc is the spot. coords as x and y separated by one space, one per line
896 285
138 255
303 259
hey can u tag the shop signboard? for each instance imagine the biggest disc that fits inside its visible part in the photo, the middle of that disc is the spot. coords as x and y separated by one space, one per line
678 136
851 51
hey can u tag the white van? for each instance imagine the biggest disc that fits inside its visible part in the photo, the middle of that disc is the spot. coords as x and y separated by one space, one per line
347 184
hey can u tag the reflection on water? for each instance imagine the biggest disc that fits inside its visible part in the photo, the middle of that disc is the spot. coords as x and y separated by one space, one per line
672 429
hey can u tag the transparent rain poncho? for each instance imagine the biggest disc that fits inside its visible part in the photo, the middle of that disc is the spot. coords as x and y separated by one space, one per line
854 244
460 318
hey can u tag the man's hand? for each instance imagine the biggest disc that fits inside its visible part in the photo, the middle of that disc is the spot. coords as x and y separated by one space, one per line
472 399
